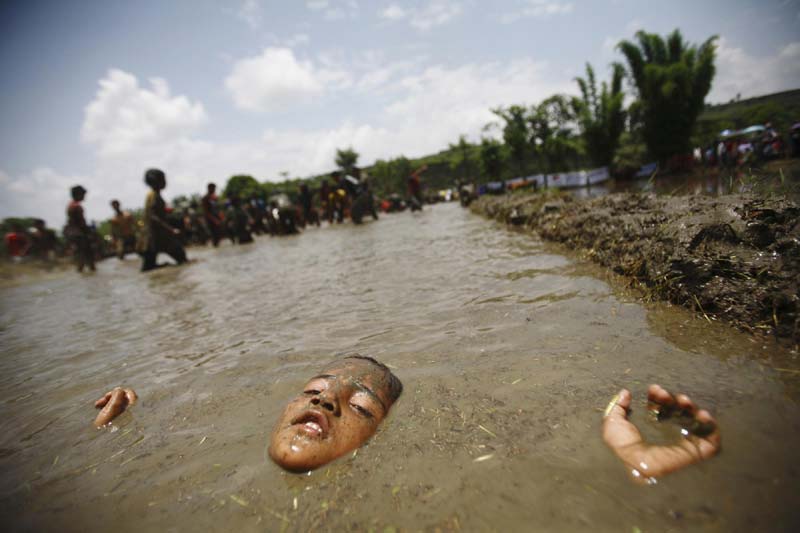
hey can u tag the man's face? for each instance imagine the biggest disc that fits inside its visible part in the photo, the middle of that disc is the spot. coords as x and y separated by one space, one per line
336 413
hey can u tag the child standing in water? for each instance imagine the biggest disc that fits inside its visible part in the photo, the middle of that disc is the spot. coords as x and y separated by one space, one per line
158 235
77 232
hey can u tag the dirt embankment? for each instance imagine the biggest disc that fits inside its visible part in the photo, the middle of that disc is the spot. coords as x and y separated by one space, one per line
735 257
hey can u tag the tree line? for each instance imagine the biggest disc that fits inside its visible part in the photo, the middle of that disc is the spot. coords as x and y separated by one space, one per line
647 111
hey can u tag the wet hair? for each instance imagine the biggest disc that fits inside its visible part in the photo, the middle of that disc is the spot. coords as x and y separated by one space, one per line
395 385
153 175
77 191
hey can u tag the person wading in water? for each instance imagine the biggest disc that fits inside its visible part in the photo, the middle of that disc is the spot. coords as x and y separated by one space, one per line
158 235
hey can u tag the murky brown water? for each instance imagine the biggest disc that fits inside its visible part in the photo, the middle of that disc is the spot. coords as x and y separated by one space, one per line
506 348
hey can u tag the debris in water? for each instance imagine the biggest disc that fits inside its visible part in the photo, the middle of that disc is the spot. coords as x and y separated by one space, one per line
483 458
487 431
240 501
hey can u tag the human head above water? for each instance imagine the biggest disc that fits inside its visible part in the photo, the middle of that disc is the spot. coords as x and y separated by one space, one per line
337 411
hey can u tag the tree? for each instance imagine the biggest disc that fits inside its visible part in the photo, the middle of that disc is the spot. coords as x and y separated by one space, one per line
462 161
552 136
672 79
346 159
242 186
516 134
491 158
388 177
601 117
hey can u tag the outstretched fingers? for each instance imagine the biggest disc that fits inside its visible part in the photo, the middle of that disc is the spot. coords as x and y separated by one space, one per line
704 437
130 394
701 436
618 431
103 400
114 403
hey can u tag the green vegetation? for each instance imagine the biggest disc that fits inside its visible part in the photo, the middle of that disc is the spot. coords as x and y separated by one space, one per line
346 159
491 158
601 118
667 117
781 109
672 79
242 186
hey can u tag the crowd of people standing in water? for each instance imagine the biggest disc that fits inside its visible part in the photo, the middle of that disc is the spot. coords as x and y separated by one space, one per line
161 229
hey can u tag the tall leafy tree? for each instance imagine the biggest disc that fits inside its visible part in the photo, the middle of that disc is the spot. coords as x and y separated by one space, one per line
462 161
242 186
346 159
552 133
601 117
672 79
491 158
516 134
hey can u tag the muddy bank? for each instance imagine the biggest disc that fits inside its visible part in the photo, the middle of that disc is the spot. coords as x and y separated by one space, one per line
734 257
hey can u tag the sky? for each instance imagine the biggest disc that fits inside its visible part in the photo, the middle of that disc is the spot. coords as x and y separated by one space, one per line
97 91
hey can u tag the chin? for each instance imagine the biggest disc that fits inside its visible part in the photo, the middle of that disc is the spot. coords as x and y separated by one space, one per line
301 460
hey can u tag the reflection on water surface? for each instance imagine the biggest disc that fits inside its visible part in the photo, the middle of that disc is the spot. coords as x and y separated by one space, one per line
508 351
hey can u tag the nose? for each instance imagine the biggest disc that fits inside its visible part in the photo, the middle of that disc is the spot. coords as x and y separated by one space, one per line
327 401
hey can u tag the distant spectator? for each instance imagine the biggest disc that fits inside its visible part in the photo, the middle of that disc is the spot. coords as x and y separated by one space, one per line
17 241
43 241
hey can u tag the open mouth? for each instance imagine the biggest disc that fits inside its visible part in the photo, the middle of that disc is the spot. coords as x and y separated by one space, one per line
312 423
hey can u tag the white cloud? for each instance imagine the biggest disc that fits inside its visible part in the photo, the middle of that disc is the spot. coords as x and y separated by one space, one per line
393 12
43 193
297 39
250 12
124 116
336 9
537 9
741 73
424 17
317 5
427 108
272 81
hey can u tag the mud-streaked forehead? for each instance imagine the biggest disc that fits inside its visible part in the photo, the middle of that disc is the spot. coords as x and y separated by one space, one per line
364 372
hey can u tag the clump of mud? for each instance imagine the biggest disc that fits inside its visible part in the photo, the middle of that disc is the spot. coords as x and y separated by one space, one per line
735 257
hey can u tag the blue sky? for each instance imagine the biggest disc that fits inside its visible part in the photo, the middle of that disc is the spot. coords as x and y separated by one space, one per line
96 91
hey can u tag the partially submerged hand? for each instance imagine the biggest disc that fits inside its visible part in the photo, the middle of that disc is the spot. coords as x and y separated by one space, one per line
113 403
645 462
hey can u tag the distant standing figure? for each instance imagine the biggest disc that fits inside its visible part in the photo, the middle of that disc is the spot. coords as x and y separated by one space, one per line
17 242
78 233
238 222
211 214
43 241
415 188
123 231
158 235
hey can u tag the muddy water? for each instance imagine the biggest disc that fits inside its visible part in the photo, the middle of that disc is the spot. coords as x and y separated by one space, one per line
509 350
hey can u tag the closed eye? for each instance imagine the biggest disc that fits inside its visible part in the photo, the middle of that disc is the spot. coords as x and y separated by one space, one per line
362 411
311 391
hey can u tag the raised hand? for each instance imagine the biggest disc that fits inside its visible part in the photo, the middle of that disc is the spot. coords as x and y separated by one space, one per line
646 462
112 404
